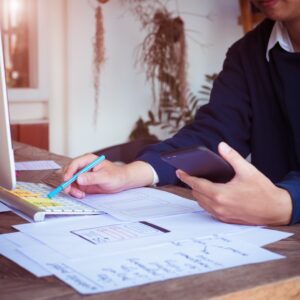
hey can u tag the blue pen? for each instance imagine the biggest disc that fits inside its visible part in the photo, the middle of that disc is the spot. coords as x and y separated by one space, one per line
74 177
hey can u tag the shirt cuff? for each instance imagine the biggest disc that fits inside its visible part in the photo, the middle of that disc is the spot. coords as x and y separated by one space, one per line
155 176
291 184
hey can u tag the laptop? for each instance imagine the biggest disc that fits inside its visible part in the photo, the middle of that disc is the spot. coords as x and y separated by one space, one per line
28 198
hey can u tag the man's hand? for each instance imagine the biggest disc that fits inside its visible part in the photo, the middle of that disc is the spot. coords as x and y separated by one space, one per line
249 198
107 177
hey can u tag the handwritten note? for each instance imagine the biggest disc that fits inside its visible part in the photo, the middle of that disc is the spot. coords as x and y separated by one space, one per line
171 260
36 165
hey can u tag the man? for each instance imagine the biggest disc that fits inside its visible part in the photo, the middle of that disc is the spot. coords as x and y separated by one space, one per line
254 108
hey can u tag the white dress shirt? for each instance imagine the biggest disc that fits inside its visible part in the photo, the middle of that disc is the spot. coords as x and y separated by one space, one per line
279 34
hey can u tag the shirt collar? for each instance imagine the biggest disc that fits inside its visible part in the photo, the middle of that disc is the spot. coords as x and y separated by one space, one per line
279 35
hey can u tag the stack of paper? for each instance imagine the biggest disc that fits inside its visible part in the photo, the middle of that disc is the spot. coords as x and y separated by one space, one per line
36 165
160 237
3 208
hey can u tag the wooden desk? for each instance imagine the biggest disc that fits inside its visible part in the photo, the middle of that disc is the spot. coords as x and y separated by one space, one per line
278 279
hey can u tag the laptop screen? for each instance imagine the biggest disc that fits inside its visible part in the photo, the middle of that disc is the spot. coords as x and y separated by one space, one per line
7 166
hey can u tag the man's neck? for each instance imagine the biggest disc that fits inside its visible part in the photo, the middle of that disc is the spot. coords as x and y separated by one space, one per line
293 28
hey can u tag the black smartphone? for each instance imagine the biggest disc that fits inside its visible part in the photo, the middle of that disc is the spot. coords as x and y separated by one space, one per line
200 162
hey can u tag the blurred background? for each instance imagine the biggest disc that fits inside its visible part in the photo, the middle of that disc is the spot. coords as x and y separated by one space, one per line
88 74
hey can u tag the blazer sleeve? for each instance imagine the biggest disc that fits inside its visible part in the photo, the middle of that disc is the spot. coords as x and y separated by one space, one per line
227 117
291 183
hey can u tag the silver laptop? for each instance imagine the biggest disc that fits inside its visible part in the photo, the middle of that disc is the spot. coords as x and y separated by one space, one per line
28 198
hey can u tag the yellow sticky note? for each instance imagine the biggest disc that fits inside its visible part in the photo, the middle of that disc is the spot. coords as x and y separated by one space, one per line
41 202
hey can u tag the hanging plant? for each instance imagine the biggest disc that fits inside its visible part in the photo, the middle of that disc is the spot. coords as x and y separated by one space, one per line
162 54
174 118
98 57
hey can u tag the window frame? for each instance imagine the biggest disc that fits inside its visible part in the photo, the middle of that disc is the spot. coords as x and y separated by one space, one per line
39 64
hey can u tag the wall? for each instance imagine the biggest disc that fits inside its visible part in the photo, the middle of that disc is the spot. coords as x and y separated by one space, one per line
124 95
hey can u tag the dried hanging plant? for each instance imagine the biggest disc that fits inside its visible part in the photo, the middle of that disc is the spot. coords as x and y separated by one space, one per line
98 48
163 52
163 55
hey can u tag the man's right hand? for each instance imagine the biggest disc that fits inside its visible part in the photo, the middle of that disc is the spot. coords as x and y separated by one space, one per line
107 177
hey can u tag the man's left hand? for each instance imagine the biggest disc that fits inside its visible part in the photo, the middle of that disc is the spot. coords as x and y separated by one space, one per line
249 198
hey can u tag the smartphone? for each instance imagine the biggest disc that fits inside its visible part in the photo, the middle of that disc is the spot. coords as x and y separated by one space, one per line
200 162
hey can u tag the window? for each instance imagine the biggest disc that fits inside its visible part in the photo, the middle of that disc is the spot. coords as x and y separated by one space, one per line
18 24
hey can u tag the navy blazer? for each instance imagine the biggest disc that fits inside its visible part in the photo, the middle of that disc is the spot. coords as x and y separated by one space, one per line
246 111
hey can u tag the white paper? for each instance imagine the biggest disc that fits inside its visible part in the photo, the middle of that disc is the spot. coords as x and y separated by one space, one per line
260 236
9 246
138 204
20 239
3 208
171 260
36 165
59 234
